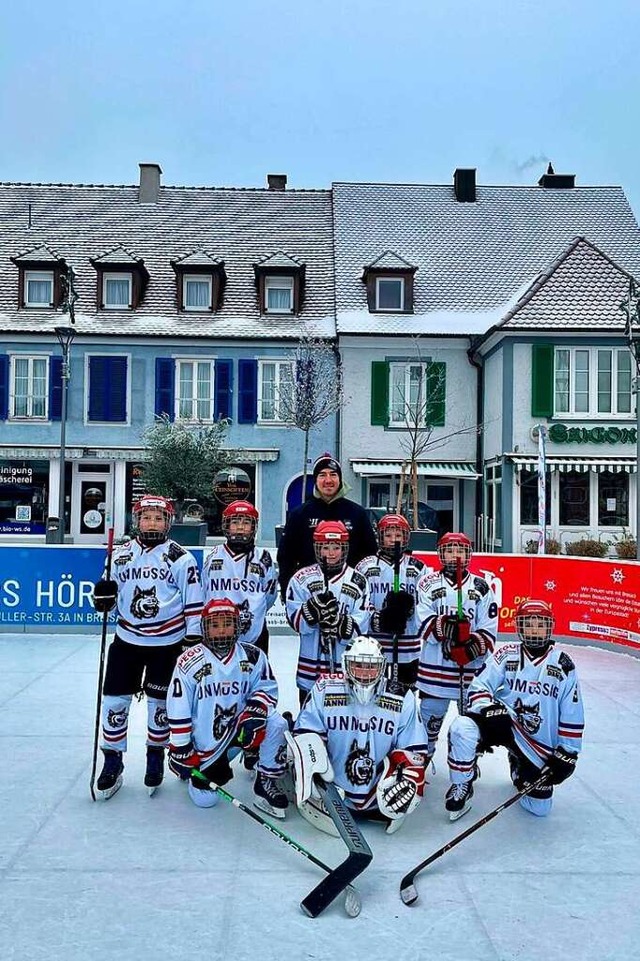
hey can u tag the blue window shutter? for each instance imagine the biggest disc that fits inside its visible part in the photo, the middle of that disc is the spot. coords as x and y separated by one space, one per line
4 386
55 388
165 386
223 388
98 388
247 391
116 399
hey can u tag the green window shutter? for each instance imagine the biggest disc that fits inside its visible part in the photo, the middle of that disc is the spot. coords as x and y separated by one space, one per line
380 393
542 380
436 393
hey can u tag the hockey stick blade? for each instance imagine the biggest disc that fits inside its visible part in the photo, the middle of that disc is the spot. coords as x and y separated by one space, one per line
359 857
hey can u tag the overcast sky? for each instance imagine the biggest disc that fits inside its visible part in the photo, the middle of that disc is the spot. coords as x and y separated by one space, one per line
221 93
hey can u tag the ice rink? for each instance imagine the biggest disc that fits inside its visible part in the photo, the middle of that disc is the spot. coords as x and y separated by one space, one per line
139 877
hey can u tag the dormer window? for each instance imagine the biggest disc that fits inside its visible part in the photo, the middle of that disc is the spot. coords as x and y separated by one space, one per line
39 279
389 282
116 291
280 281
38 288
200 282
122 280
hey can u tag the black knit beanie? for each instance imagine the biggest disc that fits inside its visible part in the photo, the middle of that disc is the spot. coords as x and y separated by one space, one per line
326 462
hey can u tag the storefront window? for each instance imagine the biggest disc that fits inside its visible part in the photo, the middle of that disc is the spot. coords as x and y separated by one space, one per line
528 480
613 499
23 496
574 499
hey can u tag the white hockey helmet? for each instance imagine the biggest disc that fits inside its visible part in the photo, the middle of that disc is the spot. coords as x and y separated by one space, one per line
363 665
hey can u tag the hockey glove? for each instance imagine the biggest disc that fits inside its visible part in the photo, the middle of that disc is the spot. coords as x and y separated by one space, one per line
105 594
560 765
466 651
396 611
183 759
320 609
218 773
251 726
346 627
401 785
445 631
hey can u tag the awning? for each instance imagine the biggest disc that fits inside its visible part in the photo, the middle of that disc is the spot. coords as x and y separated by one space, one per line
441 469
580 463
39 453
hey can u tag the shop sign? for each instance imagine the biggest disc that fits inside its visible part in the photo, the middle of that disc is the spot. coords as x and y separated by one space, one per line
563 434
16 474
232 484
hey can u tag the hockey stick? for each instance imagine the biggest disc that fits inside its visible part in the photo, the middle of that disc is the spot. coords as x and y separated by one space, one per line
461 620
103 648
396 589
328 636
358 858
408 890
352 903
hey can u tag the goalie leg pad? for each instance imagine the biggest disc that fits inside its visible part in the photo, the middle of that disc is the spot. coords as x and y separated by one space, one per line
309 758
314 811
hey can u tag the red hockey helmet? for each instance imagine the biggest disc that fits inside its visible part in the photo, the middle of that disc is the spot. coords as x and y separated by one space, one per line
534 624
239 523
220 625
152 519
392 528
331 544
452 546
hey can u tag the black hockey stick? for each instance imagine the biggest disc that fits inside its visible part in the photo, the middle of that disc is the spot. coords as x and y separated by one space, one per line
359 857
328 636
352 903
408 890
103 648
396 589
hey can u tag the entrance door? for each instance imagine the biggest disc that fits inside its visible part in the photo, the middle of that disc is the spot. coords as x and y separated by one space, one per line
91 501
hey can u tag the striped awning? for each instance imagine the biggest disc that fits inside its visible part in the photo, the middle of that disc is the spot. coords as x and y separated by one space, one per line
580 463
440 469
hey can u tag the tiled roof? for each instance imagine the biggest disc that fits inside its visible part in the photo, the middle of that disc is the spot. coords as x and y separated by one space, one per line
279 260
197 258
390 261
41 254
471 257
118 256
240 226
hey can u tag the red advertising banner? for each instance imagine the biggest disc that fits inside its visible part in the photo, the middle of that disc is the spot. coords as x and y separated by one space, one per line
589 597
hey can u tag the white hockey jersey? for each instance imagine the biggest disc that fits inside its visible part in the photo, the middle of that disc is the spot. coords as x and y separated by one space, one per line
206 695
249 580
542 694
360 736
159 593
349 587
378 573
437 675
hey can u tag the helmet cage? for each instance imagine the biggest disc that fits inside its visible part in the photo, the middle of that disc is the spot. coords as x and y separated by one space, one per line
448 560
220 626
397 524
332 534
240 541
534 625
150 503
363 665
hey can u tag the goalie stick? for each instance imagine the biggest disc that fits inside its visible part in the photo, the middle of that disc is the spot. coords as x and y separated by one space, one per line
103 648
358 858
352 903
408 890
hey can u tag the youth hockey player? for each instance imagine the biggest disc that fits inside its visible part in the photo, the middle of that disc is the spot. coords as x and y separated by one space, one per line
356 731
222 697
455 642
392 577
528 700
326 605
156 586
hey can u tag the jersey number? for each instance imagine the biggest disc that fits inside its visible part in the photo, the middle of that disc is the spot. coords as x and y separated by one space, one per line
493 609
177 688
192 575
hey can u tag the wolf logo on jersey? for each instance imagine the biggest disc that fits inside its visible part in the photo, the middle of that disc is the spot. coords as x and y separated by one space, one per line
144 604
246 617
359 764
116 718
222 721
160 717
528 715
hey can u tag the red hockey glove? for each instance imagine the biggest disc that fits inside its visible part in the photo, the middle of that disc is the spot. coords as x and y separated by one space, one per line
183 759
251 726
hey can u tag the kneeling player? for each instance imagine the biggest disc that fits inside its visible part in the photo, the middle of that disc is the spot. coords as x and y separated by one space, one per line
223 696
537 715
356 731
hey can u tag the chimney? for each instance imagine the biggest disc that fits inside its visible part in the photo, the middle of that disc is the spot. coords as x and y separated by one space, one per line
464 184
277 181
149 192
553 181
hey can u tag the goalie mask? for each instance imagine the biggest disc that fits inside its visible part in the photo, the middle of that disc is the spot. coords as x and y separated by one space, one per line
220 626
152 519
363 665
534 624
450 548
331 545
391 529
239 523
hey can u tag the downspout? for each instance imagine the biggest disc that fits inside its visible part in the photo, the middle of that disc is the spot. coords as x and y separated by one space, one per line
479 421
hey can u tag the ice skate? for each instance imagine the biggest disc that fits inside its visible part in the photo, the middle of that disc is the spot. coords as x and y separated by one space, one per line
155 769
269 797
110 780
458 800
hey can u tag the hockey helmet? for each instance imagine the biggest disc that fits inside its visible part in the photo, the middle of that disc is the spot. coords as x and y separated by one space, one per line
363 665
220 625
393 528
534 624
152 519
239 523
331 544
451 547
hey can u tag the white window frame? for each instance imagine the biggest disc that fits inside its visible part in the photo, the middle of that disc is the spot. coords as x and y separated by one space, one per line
592 411
87 384
29 415
406 419
387 279
206 361
201 279
41 275
279 363
112 275
278 282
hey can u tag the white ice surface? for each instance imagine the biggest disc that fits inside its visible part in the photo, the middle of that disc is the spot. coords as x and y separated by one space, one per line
139 877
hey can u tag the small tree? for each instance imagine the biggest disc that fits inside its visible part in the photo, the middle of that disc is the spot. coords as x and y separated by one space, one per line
313 391
182 459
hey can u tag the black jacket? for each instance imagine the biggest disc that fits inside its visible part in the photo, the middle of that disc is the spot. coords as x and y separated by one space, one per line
296 546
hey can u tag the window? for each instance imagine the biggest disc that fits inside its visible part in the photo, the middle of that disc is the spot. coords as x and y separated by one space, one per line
592 381
38 288
528 483
574 499
195 390
107 379
29 387
390 293
408 394
116 291
275 380
196 292
613 499
278 295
